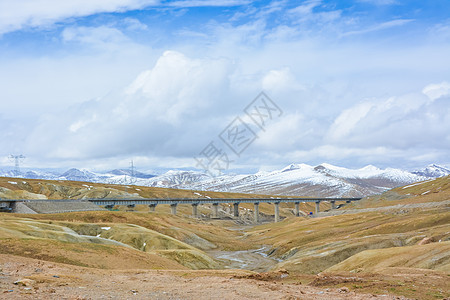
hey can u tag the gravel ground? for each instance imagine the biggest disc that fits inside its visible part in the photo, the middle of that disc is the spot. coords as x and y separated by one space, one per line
392 208
46 280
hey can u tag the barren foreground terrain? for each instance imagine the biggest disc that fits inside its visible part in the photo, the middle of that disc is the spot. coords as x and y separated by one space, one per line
46 280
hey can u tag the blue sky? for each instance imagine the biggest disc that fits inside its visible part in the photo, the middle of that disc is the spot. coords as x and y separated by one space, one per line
96 83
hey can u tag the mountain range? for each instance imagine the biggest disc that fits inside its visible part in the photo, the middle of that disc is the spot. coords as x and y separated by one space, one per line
324 180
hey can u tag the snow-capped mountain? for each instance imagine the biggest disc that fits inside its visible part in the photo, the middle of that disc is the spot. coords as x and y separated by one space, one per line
178 178
32 174
324 180
433 171
128 172
79 175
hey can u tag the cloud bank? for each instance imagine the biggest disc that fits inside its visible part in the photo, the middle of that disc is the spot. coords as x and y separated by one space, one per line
177 107
97 84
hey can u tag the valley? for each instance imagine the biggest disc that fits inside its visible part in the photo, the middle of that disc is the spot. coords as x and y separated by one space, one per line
395 244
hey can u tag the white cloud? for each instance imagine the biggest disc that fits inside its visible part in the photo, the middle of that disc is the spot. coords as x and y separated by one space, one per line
402 122
348 119
380 26
18 14
74 127
178 86
441 32
203 3
306 9
333 153
310 12
380 2
169 110
435 91
134 24
95 61
281 79
98 37
287 132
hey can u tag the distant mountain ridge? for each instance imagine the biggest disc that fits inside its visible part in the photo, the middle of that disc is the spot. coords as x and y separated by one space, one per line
433 170
324 180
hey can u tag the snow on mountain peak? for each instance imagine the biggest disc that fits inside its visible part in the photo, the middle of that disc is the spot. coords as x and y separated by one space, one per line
336 171
370 168
433 170
292 167
331 167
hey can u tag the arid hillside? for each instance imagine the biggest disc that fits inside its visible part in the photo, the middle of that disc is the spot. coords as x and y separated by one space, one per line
404 231
397 243
18 188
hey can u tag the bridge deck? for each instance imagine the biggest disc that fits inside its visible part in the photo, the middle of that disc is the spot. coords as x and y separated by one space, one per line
122 201
152 203
214 200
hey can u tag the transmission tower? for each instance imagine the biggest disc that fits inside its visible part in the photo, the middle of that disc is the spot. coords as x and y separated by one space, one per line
17 160
132 177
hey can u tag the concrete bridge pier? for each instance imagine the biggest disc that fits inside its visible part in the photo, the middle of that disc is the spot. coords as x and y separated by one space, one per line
333 204
173 208
277 211
215 211
297 209
317 207
152 207
236 209
109 206
256 212
195 210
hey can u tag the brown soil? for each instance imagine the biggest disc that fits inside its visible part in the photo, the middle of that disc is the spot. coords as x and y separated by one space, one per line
410 283
59 281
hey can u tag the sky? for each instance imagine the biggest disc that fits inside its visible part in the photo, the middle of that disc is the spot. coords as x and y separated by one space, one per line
97 83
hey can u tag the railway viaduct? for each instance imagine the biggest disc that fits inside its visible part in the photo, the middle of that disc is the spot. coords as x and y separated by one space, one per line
8 205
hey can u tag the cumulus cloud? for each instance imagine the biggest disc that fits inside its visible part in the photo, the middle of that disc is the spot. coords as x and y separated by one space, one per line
402 122
178 87
162 112
173 110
